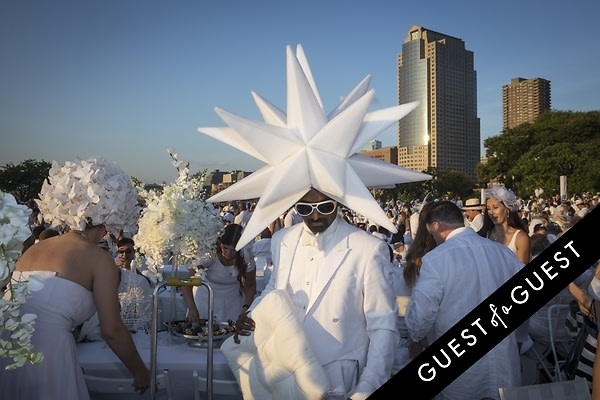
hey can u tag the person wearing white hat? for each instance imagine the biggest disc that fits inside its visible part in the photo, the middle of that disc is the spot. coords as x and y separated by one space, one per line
472 210
336 275
582 208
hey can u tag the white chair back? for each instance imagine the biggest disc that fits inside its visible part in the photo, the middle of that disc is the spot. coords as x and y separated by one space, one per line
101 388
219 386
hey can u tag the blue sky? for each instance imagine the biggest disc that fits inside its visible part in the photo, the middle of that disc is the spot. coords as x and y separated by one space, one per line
126 80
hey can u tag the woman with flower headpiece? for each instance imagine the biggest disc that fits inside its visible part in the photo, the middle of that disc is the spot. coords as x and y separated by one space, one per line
79 278
502 207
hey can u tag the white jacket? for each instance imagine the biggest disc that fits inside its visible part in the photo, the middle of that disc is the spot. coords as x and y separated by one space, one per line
354 314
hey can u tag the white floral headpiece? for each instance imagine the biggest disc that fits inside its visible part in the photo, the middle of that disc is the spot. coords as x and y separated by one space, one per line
309 148
92 191
506 196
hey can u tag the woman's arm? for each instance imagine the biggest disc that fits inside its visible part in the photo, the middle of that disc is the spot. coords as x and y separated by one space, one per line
583 299
188 297
114 332
250 287
523 247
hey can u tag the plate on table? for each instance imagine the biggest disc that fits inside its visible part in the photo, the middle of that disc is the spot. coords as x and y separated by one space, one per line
185 328
221 331
198 331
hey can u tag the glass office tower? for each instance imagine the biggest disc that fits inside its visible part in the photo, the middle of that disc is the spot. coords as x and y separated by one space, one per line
443 132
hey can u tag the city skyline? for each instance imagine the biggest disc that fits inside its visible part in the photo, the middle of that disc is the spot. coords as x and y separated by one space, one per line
127 82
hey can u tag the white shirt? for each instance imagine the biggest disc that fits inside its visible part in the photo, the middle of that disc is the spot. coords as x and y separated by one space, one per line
302 279
455 277
477 222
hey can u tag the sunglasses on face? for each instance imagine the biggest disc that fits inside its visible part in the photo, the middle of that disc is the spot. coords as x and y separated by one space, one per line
125 251
323 207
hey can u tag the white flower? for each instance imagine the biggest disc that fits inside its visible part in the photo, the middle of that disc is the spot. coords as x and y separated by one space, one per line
506 196
177 221
95 191
15 330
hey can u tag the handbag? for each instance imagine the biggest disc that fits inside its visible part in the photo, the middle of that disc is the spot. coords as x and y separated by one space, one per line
588 332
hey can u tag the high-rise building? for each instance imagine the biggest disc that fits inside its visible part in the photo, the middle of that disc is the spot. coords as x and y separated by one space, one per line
523 100
443 131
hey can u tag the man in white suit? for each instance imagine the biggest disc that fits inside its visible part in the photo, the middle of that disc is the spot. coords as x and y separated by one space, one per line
336 276
340 290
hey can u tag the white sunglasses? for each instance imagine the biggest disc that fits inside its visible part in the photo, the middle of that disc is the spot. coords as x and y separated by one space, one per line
326 207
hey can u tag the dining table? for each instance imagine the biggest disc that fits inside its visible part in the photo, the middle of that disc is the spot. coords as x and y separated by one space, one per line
173 353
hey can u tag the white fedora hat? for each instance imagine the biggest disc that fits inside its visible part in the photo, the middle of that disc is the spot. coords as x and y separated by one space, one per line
472 204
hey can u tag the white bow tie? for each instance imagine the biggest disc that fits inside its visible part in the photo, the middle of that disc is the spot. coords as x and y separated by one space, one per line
309 239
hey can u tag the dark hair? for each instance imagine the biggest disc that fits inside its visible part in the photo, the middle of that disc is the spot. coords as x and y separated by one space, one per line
539 242
231 234
421 244
124 241
230 237
539 227
37 231
488 225
48 233
445 211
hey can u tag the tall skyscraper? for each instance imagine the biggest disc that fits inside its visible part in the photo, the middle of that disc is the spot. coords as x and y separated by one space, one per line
444 131
523 100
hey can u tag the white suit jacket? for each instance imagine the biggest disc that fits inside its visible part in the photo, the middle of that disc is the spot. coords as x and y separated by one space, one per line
354 316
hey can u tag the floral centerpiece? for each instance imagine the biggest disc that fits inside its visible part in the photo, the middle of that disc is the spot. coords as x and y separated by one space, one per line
15 329
177 222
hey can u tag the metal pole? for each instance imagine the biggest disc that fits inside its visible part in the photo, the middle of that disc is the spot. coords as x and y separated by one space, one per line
153 343
209 350
194 281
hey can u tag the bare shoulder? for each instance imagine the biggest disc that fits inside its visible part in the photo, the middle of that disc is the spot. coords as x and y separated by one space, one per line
523 236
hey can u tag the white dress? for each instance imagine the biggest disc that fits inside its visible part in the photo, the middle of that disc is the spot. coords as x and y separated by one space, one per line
60 306
227 299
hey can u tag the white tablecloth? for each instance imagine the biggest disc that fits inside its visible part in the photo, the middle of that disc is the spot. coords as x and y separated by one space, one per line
172 352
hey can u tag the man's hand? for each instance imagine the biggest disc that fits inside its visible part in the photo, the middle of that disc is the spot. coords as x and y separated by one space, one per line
416 348
244 326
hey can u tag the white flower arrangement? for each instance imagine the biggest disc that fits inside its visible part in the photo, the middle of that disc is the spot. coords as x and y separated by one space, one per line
92 191
16 330
177 222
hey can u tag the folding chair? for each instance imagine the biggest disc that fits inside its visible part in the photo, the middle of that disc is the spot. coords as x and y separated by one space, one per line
219 386
100 387
560 340
573 390
550 353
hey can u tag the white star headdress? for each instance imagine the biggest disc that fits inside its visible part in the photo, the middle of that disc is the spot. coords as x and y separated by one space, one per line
307 148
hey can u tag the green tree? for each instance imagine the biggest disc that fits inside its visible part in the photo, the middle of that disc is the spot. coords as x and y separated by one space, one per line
533 153
444 184
24 180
